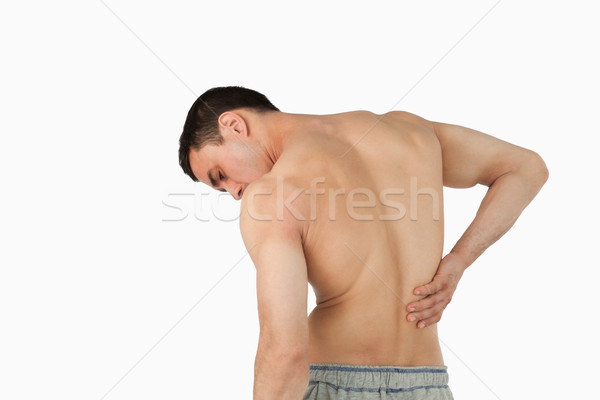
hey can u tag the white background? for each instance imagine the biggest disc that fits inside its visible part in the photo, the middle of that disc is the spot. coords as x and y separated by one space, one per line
94 275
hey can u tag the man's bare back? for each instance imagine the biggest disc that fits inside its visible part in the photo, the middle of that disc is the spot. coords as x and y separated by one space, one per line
358 201
362 267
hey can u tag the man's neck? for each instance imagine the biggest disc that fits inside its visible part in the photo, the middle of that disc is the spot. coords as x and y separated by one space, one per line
275 129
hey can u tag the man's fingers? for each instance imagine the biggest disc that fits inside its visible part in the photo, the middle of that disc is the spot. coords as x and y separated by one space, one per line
435 307
429 316
422 304
430 321
431 288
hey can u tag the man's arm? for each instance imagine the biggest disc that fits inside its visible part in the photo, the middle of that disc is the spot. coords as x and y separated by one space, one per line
275 244
514 176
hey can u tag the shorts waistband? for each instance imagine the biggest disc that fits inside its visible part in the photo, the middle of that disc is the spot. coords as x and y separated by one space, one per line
391 377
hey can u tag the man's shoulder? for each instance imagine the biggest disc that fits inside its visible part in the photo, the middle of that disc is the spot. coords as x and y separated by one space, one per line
403 115
271 182
273 205
398 115
278 194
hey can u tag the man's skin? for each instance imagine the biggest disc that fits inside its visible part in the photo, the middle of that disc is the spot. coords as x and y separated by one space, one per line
367 272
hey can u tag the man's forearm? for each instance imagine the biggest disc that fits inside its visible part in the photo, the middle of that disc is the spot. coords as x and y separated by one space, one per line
279 376
504 201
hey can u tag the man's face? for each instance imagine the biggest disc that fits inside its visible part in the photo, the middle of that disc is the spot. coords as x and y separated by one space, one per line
229 167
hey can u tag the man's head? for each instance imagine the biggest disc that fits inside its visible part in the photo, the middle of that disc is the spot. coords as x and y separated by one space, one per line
217 146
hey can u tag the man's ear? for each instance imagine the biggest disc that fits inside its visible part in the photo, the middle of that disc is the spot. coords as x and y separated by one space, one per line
233 123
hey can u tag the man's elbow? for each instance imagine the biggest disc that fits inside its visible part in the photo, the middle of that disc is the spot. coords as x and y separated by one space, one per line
542 169
280 373
288 356
291 350
535 169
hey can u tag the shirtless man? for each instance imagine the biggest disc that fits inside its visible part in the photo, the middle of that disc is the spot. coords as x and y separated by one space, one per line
352 203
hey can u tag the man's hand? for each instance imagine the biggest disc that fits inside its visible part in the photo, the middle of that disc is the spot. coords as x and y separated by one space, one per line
439 291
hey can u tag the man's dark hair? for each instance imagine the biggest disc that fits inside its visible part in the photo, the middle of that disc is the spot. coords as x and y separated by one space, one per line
201 125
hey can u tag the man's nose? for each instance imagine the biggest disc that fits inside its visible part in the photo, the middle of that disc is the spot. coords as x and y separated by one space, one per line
236 191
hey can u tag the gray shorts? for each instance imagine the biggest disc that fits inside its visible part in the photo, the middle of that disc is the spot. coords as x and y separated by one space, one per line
354 382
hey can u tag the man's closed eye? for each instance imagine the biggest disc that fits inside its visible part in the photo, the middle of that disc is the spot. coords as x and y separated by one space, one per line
220 180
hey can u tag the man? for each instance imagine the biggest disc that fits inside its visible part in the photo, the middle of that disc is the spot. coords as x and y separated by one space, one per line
352 204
